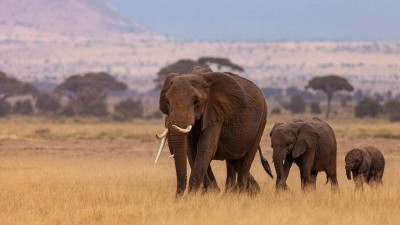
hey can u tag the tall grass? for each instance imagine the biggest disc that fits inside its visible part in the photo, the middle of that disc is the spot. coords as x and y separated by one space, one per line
114 181
132 190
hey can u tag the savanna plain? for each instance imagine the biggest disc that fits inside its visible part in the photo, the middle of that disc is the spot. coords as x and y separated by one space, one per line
102 172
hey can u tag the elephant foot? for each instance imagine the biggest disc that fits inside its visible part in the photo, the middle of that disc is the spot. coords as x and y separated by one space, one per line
211 187
231 188
308 188
194 186
335 188
250 187
281 187
253 187
253 190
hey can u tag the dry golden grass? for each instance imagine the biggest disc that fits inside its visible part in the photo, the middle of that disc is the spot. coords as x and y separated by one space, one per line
65 178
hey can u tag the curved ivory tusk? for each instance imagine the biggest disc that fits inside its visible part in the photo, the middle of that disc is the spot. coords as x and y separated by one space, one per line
171 156
187 130
161 136
161 148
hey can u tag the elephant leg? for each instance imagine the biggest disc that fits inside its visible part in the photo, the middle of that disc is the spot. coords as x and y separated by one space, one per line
334 183
378 178
306 179
210 183
305 165
230 184
286 167
245 180
253 183
333 179
313 180
358 181
206 148
369 178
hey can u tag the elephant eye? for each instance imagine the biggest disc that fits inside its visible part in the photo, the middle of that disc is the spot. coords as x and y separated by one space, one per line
196 101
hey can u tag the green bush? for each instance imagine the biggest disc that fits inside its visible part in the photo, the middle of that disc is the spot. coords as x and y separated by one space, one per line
5 108
367 107
315 108
23 107
68 111
90 102
297 104
392 106
47 103
128 109
276 111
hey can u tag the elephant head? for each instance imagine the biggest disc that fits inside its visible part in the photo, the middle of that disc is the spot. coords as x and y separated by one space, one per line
357 159
199 100
291 140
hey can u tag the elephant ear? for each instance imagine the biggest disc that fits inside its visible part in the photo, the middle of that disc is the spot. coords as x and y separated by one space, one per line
307 137
366 162
275 125
163 99
226 98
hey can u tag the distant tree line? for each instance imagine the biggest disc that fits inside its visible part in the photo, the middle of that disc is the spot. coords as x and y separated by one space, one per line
79 95
85 95
333 88
185 66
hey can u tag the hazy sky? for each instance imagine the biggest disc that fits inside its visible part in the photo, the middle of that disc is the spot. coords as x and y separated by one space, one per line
268 19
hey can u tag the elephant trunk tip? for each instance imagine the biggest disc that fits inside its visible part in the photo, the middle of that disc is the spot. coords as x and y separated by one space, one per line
348 173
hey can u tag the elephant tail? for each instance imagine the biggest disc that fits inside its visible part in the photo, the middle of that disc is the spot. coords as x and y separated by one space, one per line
265 163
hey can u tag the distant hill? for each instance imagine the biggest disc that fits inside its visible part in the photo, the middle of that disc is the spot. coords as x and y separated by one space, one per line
66 17
49 40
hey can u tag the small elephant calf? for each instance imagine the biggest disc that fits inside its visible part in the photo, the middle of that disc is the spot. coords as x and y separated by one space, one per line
366 164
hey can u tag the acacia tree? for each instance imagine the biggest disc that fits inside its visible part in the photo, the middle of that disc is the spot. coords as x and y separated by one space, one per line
330 84
185 66
12 87
87 93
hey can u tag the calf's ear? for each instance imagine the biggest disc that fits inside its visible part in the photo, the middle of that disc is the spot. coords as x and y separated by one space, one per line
366 162
307 137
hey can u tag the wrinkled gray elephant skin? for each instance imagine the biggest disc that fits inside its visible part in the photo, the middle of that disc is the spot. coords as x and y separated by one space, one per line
226 115
311 144
366 165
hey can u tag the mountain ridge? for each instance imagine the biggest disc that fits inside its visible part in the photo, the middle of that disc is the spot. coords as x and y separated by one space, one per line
67 17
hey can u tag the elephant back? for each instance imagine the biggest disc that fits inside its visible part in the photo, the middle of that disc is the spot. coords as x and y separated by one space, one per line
378 160
327 149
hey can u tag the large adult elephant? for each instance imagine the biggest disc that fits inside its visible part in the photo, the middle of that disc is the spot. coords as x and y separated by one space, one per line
311 144
212 115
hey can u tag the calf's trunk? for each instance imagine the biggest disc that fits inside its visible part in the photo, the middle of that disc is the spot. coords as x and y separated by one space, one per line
280 177
348 172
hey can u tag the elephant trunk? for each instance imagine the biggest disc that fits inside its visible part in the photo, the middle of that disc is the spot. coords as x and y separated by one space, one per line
178 145
348 172
280 176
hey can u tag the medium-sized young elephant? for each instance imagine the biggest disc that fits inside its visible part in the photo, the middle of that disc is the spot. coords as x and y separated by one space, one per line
311 144
366 164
